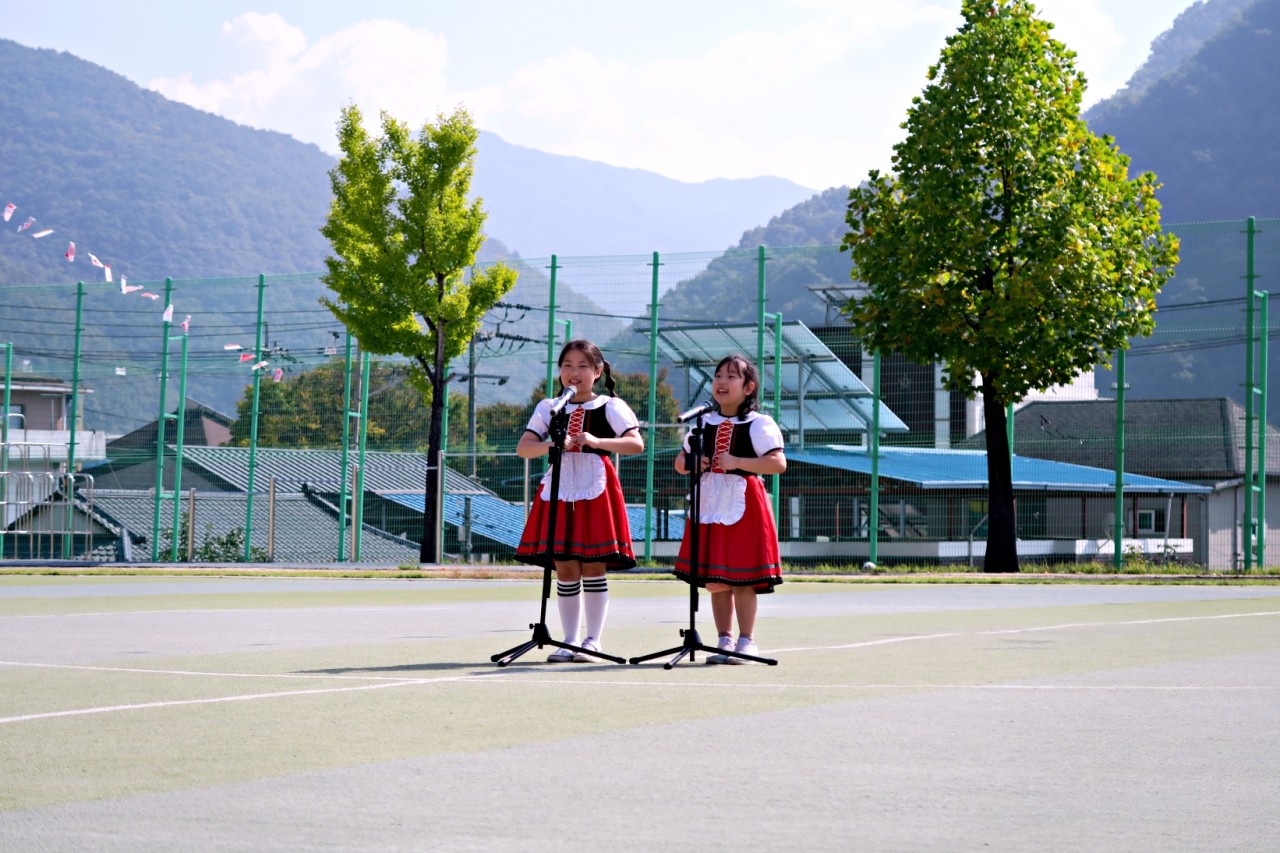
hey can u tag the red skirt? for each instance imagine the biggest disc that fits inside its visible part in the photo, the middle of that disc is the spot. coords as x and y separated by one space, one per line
744 553
594 531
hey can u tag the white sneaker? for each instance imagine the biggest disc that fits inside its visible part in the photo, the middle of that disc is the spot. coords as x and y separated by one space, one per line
588 645
724 644
744 646
560 656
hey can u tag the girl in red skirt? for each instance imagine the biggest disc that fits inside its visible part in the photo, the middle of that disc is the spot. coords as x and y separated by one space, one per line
592 533
737 538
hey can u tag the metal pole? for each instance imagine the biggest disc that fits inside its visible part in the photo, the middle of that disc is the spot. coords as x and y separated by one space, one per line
358 509
551 332
160 424
652 432
67 541
4 445
271 519
1250 523
191 525
253 424
1261 470
347 415
873 511
1117 559
180 444
775 485
760 300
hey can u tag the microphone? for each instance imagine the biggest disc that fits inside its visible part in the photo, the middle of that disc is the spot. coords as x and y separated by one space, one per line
558 404
696 411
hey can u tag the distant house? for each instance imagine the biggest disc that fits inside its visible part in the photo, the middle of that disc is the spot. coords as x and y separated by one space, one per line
1200 441
37 441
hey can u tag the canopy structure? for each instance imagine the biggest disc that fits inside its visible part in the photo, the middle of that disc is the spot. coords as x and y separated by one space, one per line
818 390
967 469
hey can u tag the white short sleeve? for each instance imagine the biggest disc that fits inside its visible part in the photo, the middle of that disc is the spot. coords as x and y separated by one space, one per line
765 434
620 416
540 421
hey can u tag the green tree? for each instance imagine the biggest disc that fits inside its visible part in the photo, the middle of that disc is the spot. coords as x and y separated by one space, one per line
404 234
1009 242
305 410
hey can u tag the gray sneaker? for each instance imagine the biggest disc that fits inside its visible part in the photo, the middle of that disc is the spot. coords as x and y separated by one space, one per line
560 656
724 644
745 646
588 645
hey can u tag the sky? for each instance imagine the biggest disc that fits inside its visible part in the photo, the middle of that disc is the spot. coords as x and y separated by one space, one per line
809 90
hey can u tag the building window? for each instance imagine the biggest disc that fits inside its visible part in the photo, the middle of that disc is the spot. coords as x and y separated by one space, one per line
1150 521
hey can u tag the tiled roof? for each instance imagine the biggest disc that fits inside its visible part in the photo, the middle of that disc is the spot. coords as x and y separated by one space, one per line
306 530
1183 439
383 472
204 426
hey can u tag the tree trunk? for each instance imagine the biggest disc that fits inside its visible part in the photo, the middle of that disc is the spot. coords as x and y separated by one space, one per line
431 495
1002 526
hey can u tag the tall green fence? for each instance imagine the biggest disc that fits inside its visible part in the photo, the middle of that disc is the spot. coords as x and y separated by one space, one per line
234 418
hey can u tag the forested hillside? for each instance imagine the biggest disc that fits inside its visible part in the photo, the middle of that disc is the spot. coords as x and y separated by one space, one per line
1209 127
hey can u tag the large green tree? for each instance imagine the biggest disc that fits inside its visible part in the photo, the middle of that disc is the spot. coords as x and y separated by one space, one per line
404 234
1009 241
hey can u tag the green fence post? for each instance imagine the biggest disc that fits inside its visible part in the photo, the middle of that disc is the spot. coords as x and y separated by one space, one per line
4 444
358 508
551 332
347 415
253 422
1117 527
1250 380
1260 475
179 445
67 537
651 437
760 304
775 481
160 425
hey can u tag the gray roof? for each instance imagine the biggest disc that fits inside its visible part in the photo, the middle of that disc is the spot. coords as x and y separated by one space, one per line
383 472
1184 439
306 529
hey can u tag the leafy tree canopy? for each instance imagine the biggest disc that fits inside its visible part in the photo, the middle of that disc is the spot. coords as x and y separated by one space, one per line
1010 241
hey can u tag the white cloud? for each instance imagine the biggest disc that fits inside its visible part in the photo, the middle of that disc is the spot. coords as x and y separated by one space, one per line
299 87
818 98
1084 27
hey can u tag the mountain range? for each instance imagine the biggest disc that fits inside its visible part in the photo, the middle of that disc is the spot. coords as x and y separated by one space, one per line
157 188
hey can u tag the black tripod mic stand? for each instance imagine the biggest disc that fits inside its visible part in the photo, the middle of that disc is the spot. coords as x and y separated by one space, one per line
541 636
692 643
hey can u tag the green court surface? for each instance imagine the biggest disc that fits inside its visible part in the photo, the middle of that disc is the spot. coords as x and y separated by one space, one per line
244 713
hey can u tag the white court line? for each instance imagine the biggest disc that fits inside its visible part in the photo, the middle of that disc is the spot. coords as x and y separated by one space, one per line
910 638
336 607
799 685
75 712
202 674
405 682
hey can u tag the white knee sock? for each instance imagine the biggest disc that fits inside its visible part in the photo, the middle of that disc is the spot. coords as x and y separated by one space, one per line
595 596
569 602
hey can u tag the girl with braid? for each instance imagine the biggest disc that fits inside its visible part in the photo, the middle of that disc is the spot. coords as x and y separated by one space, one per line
592 533
737 537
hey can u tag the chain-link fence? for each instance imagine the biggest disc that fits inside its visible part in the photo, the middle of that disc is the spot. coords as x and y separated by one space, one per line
235 418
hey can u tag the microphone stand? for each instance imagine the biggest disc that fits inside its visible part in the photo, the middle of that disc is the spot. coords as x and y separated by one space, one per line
692 643
541 636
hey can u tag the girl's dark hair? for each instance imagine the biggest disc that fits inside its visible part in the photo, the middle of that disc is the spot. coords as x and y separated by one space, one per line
748 372
592 352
